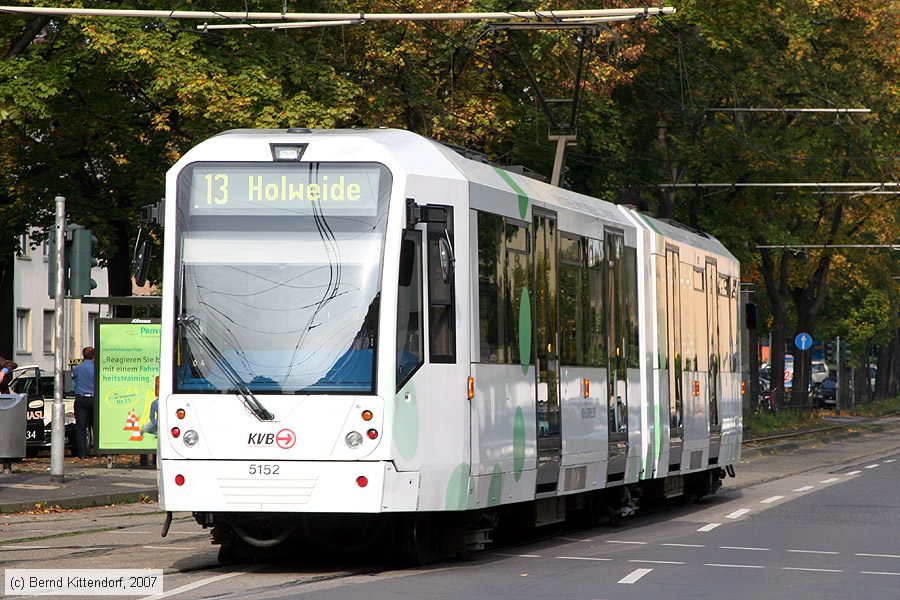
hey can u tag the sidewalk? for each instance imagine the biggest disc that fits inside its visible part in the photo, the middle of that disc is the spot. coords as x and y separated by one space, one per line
88 482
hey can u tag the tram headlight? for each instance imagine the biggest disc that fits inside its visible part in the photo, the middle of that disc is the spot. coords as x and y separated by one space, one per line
191 438
354 439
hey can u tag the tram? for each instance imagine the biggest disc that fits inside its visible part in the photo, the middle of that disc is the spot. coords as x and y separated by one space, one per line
366 332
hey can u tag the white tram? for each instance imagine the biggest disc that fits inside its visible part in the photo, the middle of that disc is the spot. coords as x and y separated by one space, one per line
363 326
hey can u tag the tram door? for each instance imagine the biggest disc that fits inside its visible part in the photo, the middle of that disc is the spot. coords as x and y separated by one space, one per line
712 384
673 324
617 380
546 332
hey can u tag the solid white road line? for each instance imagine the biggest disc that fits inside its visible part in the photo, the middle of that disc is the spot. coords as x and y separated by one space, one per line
771 500
815 570
685 545
830 480
734 566
813 552
805 488
168 547
709 527
584 558
879 555
743 548
634 576
738 513
202 582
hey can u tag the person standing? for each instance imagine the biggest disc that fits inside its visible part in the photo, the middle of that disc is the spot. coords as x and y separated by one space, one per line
6 368
83 375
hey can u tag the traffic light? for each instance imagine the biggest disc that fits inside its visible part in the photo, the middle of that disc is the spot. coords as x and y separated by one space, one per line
81 260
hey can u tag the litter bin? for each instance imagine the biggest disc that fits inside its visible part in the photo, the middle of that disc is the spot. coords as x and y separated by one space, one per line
13 425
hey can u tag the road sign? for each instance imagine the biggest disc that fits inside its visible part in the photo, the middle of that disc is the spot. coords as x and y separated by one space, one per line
803 341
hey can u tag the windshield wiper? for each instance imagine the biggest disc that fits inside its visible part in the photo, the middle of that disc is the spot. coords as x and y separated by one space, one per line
192 324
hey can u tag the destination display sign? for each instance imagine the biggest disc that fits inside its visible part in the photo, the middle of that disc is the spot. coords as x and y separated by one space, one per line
280 189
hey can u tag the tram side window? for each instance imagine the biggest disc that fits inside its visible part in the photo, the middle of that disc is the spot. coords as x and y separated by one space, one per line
726 343
632 349
582 319
441 279
410 345
572 290
504 274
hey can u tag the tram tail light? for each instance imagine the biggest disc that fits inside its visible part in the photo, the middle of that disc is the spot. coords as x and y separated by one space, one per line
176 432
470 387
179 479
696 388
372 433
586 387
362 481
743 386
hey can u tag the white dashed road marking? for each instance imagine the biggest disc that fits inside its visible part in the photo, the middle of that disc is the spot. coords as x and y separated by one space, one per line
890 460
805 488
853 473
830 480
634 576
743 548
584 558
879 555
813 552
771 500
815 570
873 466
658 562
621 542
709 527
734 566
687 545
878 573
738 513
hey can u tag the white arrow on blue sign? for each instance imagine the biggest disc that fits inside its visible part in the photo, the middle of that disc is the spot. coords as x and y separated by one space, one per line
803 341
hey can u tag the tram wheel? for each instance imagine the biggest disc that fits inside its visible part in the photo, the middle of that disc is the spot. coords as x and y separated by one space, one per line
419 547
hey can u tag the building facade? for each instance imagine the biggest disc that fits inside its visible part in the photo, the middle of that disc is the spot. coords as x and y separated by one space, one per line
34 316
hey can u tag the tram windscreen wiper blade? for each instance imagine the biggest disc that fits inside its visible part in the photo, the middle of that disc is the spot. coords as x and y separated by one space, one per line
192 324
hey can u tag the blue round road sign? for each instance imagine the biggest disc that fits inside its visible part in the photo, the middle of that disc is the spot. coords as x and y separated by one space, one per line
803 341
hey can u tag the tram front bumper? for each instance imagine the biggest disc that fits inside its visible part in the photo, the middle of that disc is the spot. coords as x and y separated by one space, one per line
285 486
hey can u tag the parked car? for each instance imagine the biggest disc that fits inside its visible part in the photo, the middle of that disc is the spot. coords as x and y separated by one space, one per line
38 388
820 371
825 394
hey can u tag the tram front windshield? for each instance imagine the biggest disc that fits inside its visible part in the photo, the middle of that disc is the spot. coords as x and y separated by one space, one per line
279 270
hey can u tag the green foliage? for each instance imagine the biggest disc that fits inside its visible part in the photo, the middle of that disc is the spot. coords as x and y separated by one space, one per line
98 109
766 423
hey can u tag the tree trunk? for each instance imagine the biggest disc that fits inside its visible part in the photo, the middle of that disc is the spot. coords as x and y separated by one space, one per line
777 291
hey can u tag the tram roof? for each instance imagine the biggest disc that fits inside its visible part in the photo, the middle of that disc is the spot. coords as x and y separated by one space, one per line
421 155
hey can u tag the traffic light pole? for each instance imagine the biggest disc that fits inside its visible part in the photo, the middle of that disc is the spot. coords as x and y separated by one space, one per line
58 422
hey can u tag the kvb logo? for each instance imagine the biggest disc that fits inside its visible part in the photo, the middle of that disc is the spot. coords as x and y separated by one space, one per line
285 439
261 439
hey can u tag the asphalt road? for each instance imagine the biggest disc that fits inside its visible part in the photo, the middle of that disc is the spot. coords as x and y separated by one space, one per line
821 522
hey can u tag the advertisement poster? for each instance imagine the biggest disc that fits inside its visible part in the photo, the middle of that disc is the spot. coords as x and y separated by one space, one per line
127 356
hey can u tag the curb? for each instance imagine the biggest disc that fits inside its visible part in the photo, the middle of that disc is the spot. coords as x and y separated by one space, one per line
91 501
